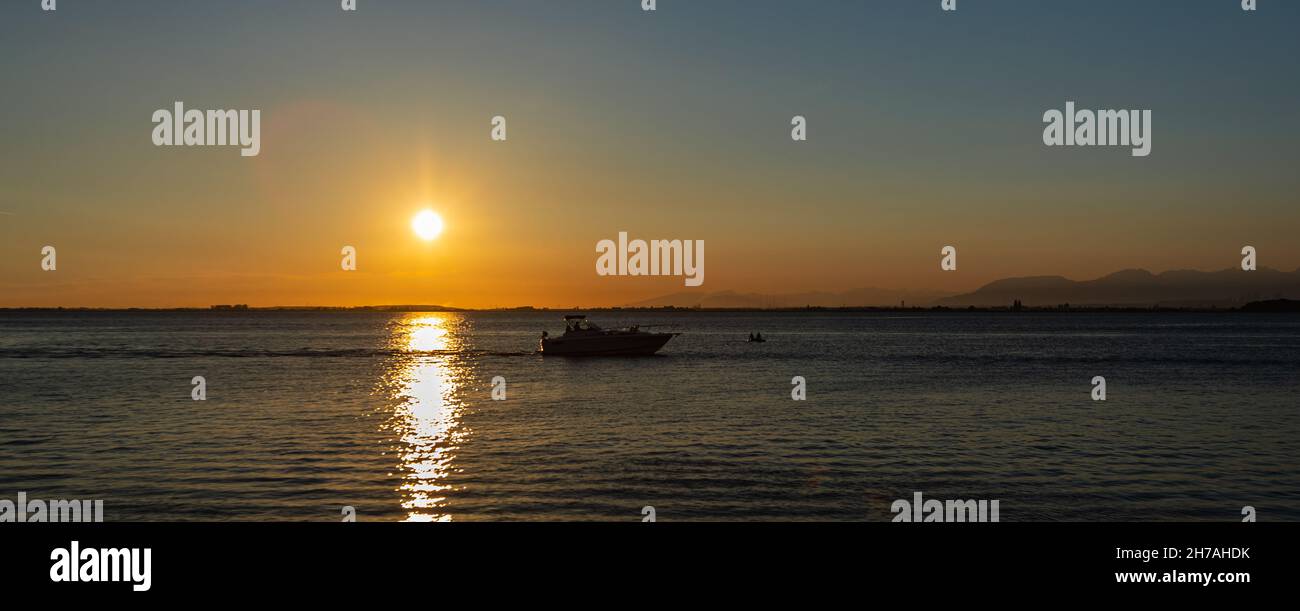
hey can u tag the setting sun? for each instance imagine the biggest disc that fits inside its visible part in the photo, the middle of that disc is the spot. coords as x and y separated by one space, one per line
427 224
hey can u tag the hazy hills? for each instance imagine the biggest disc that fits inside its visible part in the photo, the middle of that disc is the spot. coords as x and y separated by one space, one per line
1133 287
732 299
1139 287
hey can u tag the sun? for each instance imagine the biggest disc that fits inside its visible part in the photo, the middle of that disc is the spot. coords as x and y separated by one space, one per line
427 224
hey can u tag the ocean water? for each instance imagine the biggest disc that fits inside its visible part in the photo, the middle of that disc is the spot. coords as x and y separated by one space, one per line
391 413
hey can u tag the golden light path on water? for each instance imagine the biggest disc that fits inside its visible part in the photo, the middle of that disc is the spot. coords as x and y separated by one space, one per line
426 418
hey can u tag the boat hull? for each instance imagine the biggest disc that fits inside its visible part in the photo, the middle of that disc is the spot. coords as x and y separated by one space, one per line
638 344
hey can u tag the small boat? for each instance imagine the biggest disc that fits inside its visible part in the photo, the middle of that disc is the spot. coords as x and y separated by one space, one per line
582 338
756 338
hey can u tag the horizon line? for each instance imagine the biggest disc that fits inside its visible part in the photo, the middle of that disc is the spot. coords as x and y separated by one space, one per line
928 304
1063 307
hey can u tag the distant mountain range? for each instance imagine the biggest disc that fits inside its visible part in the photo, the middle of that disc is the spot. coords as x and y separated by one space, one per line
1131 288
855 297
1139 287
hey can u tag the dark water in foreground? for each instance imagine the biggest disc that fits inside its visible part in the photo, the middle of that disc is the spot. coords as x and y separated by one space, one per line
391 414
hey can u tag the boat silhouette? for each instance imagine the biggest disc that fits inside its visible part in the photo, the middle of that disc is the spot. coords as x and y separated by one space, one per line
582 338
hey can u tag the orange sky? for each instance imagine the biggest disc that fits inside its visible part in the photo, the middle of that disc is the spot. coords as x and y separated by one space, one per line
675 128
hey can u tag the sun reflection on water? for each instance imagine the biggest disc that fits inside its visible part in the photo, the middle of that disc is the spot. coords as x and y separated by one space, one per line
424 383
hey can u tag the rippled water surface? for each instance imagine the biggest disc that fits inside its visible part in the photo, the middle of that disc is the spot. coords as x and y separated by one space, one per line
392 414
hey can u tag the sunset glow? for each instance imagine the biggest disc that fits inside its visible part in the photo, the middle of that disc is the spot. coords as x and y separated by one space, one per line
608 137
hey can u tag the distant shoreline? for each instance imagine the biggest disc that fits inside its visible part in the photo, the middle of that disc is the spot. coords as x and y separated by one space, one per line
1274 305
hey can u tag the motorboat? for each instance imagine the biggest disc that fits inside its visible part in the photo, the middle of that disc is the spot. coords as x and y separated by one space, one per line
582 338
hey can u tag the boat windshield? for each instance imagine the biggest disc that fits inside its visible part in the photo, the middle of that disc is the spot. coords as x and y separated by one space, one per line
581 324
